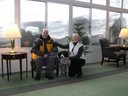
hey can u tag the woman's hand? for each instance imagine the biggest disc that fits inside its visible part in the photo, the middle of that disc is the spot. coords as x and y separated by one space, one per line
45 55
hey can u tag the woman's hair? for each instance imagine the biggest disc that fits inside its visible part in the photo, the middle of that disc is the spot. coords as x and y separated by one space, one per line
75 34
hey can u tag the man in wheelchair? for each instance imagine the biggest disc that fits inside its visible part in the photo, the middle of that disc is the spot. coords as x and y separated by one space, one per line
44 54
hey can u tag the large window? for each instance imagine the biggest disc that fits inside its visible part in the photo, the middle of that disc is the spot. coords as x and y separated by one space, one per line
32 21
125 24
38 14
125 4
115 3
6 17
84 0
58 19
98 25
81 19
125 20
101 2
114 26
81 15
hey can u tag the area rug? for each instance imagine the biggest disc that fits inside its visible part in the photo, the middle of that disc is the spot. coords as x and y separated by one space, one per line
90 71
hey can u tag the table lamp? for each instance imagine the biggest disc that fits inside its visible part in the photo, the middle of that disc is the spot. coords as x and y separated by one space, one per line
12 32
124 35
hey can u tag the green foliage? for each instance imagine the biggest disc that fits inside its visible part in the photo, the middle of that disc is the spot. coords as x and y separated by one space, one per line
78 29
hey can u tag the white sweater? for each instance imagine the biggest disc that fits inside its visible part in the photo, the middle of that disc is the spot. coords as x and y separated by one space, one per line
75 50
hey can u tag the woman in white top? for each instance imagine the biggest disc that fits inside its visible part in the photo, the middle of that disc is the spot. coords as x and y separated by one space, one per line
76 55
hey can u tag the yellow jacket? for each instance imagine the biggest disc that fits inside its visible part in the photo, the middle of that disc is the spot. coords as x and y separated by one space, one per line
38 47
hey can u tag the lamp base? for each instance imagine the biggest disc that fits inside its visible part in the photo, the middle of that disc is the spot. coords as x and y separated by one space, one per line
12 46
124 45
12 51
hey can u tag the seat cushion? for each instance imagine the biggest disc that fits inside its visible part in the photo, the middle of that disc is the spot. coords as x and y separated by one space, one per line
119 54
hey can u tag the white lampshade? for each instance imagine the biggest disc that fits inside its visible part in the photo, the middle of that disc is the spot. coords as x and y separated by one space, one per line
12 31
124 33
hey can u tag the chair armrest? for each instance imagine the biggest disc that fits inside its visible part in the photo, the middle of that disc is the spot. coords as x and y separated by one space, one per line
111 50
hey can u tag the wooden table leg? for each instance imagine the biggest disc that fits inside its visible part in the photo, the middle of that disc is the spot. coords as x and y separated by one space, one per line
20 69
2 68
10 71
7 70
26 67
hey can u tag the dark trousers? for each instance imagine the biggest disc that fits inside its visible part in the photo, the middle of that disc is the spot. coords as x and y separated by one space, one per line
49 62
75 66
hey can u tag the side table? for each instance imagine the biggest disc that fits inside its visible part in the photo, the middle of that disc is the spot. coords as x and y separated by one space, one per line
13 56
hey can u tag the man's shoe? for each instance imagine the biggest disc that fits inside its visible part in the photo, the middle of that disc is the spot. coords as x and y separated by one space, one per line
38 77
49 76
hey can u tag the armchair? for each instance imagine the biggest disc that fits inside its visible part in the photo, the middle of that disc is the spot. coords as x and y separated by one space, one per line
111 54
